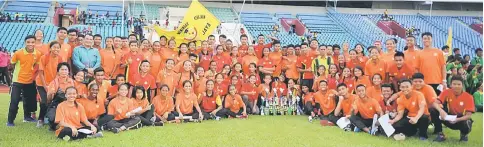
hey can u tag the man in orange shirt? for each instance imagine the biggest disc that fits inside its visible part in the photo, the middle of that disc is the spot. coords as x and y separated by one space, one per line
459 103
25 62
276 57
326 104
345 101
66 50
431 63
304 62
72 38
378 46
260 45
244 47
364 110
124 45
412 114
411 52
399 69
314 44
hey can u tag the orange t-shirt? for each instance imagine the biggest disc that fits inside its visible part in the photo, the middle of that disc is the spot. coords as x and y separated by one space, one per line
146 54
430 63
221 88
58 83
347 103
246 60
156 63
276 58
169 78
365 80
119 108
412 104
248 87
42 48
200 85
429 94
147 81
316 82
221 61
326 100
205 60
167 54
49 68
234 102
291 64
71 115
411 57
209 104
309 97
388 57
93 109
374 92
110 61
405 71
260 47
26 65
367 108
143 103
186 104
104 86
379 67
163 105
133 67
66 52
304 62
457 105
243 49
280 87
81 88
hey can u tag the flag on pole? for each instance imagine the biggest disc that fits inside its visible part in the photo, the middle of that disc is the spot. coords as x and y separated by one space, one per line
449 40
198 23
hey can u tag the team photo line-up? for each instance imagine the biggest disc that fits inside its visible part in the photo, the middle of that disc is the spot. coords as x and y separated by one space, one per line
85 88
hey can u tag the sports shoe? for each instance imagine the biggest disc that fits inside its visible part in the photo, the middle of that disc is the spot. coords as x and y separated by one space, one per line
98 134
217 118
40 123
244 117
10 124
356 129
30 119
66 138
324 122
153 119
423 138
115 130
33 115
464 138
374 128
158 123
373 131
440 137
310 118
399 137
347 128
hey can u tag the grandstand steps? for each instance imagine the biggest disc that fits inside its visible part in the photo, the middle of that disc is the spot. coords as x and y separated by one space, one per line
465 42
347 30
474 27
50 14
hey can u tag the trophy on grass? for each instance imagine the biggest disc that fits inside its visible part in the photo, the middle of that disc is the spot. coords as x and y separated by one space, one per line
290 102
274 102
265 103
283 103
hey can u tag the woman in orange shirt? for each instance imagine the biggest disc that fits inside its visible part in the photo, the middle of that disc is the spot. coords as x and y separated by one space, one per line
265 90
360 77
156 60
226 71
333 77
234 80
110 59
237 71
146 49
221 86
47 72
234 55
348 79
248 59
185 102
360 53
183 54
187 74
211 102
200 80
168 76
220 59
140 101
164 105
71 116
60 83
39 37
93 109
233 104
123 110
266 65
375 90
250 95
375 64
79 84
205 56
341 63
321 75
192 47
143 78
253 71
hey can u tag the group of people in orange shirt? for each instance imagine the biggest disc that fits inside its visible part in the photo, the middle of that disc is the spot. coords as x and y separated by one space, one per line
145 83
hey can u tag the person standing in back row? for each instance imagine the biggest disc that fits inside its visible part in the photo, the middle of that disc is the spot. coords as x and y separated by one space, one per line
26 62
431 63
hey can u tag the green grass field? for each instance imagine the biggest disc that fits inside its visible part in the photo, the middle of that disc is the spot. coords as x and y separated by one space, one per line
255 131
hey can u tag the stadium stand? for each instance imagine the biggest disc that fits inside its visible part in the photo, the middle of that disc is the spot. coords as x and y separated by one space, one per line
12 33
34 10
460 31
101 9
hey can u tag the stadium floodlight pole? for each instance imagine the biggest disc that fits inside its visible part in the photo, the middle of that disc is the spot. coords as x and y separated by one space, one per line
240 21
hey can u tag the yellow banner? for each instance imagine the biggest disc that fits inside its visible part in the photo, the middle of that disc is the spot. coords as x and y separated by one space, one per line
449 41
198 23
